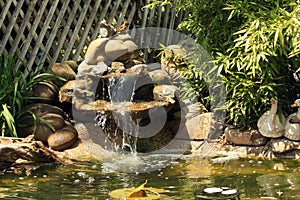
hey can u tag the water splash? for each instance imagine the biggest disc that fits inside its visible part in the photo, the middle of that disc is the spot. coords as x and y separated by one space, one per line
121 90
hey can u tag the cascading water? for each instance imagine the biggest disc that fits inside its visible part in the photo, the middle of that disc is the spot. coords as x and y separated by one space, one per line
121 90
131 117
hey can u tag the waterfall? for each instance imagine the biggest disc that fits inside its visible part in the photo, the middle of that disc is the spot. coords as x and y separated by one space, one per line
121 90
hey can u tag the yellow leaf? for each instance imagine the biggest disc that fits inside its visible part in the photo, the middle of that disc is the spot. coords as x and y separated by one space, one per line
281 37
276 37
139 191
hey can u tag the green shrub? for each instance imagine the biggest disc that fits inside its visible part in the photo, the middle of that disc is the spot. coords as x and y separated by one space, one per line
256 47
262 60
15 92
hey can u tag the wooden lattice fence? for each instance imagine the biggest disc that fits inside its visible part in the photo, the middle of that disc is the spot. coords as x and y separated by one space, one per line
43 32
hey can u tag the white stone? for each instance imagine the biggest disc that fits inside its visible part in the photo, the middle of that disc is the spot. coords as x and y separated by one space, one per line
229 192
212 190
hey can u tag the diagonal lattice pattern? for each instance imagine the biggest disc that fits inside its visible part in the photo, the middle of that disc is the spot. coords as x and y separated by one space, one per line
43 32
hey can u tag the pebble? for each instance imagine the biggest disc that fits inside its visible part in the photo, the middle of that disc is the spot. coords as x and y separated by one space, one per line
90 180
212 190
77 181
229 192
94 167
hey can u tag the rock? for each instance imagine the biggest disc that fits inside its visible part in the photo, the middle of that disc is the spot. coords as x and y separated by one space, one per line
72 64
63 70
40 110
117 67
132 51
198 127
95 52
43 130
141 69
63 138
131 62
128 56
131 46
284 145
160 77
122 37
194 109
173 56
47 91
106 30
114 49
66 92
248 138
85 69
165 93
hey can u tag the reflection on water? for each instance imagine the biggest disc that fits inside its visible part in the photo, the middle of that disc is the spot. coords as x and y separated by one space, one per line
94 180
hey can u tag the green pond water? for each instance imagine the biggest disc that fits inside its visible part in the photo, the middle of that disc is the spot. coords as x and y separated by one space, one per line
180 179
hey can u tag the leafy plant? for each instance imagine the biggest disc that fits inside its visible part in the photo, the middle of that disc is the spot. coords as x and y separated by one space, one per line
189 78
262 61
256 47
15 92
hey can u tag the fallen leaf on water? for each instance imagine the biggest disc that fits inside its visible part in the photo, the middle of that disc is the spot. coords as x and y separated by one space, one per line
139 191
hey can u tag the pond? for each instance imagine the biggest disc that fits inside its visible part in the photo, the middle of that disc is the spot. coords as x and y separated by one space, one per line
180 178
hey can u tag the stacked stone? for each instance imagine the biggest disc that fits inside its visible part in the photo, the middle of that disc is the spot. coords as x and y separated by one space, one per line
199 122
283 135
51 125
290 139
112 55
115 58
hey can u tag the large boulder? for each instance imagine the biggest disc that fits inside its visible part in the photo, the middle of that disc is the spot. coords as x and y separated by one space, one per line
198 127
95 52
115 48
